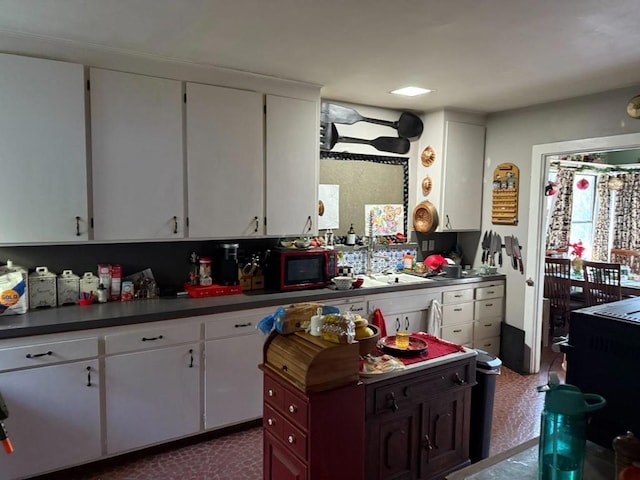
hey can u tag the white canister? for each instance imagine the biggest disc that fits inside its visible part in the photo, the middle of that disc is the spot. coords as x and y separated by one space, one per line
89 284
42 288
68 288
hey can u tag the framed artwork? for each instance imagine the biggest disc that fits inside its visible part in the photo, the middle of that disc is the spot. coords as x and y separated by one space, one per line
383 220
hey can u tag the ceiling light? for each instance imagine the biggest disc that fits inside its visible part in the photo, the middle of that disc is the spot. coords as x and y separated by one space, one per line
411 91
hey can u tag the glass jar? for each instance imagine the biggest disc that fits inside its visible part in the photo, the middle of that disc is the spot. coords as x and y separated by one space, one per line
204 272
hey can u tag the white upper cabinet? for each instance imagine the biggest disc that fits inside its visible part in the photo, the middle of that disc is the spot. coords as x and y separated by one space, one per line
42 151
463 165
292 127
137 156
225 162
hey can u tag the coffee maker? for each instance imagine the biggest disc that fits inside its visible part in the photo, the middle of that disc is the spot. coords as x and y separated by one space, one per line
225 265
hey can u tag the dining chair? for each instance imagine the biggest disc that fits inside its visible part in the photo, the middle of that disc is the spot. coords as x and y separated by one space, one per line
557 288
631 258
601 282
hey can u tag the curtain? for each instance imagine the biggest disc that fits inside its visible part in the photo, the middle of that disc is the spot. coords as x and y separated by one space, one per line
603 219
627 212
560 224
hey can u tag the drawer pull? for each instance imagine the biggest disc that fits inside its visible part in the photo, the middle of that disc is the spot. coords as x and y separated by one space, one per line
427 443
457 331
488 324
489 305
356 309
271 393
88 376
457 296
242 325
394 404
293 409
271 422
36 355
284 368
491 292
151 339
457 309
291 439
459 380
191 354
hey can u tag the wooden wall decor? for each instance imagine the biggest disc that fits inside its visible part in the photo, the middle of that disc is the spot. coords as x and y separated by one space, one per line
506 180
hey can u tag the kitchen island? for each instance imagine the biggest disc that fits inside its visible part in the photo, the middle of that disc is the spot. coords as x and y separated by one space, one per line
123 376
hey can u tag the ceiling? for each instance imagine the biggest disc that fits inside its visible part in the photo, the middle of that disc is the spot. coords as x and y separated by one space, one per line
483 56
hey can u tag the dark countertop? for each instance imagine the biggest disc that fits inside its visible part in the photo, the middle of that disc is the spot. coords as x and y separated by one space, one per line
75 317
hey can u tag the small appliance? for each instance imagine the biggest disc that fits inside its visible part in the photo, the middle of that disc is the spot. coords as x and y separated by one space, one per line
294 269
225 264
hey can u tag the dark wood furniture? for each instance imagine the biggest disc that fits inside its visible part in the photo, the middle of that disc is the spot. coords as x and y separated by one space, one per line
557 288
417 422
601 282
631 258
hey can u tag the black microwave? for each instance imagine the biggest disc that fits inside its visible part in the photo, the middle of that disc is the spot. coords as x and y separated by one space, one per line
296 269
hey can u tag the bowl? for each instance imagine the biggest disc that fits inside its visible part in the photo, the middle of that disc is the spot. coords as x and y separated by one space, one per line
357 282
367 344
342 283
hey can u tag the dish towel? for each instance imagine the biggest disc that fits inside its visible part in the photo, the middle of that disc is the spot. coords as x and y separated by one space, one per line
434 318
378 320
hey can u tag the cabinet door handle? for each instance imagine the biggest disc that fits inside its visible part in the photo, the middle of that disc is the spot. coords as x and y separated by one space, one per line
309 222
77 226
191 355
88 376
175 224
448 223
427 443
242 325
151 339
394 404
255 230
406 323
36 355
459 380
397 324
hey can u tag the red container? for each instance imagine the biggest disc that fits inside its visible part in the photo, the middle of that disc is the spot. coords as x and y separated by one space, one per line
199 291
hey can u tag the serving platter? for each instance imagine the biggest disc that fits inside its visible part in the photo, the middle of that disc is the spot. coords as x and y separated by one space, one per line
416 347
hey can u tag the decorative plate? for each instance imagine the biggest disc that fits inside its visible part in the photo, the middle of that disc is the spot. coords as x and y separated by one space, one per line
416 347
425 217
428 156
427 183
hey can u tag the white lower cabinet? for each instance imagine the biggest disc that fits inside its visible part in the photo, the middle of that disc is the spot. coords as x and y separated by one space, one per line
406 311
152 395
54 412
232 380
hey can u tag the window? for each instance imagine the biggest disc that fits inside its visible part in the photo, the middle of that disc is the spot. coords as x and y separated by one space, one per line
583 212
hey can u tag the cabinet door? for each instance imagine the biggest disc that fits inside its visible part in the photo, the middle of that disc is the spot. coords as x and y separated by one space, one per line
44 162
462 177
392 440
54 417
233 382
137 159
443 442
280 463
408 322
152 396
292 165
225 162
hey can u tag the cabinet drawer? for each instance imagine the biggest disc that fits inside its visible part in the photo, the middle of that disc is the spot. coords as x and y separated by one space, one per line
273 393
234 324
48 353
395 397
391 304
296 439
486 329
488 309
493 291
461 313
457 296
354 305
272 422
151 337
460 334
489 345
295 409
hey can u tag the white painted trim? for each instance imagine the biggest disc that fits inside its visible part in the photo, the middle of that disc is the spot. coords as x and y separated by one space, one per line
536 240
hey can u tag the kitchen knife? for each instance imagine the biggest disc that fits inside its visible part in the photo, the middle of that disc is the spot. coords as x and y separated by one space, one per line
507 247
489 245
494 247
499 241
517 254
485 246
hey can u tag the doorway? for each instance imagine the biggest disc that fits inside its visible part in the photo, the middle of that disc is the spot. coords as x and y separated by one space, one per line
536 226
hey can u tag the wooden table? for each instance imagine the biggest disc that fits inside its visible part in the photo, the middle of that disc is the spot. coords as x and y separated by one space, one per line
521 463
628 287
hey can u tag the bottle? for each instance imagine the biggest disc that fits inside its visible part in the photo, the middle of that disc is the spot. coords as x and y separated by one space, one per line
204 274
351 236
627 451
407 261
102 293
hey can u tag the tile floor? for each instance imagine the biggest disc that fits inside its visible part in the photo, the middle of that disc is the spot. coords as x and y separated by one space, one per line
238 455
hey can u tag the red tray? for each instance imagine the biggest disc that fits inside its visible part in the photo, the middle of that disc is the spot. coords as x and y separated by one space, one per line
198 291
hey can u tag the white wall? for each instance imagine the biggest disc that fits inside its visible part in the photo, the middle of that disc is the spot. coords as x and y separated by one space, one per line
510 137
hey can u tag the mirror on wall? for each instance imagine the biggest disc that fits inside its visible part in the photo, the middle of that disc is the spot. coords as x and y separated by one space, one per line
350 181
